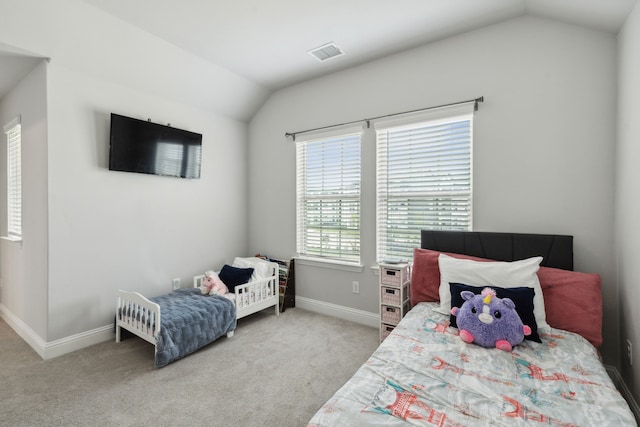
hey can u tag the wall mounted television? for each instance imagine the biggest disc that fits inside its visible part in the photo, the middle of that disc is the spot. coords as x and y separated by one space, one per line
145 147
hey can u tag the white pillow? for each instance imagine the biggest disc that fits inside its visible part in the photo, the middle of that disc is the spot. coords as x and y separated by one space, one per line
503 274
260 267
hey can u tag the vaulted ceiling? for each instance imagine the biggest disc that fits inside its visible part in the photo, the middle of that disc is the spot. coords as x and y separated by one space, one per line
267 42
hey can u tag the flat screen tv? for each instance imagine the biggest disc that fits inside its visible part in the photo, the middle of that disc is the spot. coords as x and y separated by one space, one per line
146 147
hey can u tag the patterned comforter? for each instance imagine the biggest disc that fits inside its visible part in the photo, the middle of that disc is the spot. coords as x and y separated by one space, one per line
423 374
190 321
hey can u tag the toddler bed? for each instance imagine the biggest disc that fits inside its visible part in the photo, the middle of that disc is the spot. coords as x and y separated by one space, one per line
184 321
423 374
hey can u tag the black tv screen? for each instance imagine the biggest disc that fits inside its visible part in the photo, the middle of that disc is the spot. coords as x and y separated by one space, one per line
146 147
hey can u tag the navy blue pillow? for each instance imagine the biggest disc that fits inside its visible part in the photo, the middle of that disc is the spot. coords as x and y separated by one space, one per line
522 297
234 276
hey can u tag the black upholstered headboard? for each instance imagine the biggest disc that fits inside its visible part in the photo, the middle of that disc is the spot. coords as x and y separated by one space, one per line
556 250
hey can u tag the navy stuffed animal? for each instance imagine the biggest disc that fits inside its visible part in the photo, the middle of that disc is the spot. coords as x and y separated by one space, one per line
489 321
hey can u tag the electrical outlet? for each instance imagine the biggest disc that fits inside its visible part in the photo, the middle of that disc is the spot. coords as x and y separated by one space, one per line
356 287
630 352
176 284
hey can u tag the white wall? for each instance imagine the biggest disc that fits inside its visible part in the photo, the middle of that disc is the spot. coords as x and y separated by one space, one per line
95 231
110 230
543 147
23 269
627 203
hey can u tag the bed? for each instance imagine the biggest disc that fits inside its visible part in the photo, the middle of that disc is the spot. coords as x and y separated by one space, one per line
423 374
183 321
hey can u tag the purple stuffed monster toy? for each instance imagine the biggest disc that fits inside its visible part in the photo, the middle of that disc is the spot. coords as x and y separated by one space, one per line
489 321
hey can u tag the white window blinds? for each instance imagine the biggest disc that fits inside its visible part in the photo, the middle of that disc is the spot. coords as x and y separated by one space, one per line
328 195
14 179
423 176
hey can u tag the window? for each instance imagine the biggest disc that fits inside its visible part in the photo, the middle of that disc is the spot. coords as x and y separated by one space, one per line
423 176
328 196
14 180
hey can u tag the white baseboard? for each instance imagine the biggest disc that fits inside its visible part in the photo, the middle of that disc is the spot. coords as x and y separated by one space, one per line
339 311
78 341
49 350
24 331
624 390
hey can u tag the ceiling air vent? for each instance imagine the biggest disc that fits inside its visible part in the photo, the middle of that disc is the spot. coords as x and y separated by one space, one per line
327 51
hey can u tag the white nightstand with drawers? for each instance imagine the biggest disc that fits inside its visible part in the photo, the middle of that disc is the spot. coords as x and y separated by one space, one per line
394 295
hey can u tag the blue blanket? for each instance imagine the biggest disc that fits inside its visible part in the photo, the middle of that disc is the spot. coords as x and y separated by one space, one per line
189 321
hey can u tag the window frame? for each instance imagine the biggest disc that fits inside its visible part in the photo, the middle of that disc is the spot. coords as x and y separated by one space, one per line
425 119
306 252
13 132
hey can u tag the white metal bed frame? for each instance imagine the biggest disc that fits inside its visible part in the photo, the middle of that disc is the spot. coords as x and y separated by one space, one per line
143 318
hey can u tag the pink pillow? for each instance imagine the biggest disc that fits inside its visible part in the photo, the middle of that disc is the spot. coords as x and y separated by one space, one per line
573 302
425 274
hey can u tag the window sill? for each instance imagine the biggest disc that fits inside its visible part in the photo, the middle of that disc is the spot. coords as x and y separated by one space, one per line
327 263
13 241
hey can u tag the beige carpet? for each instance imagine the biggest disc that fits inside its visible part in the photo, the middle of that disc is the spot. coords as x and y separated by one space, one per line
275 371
